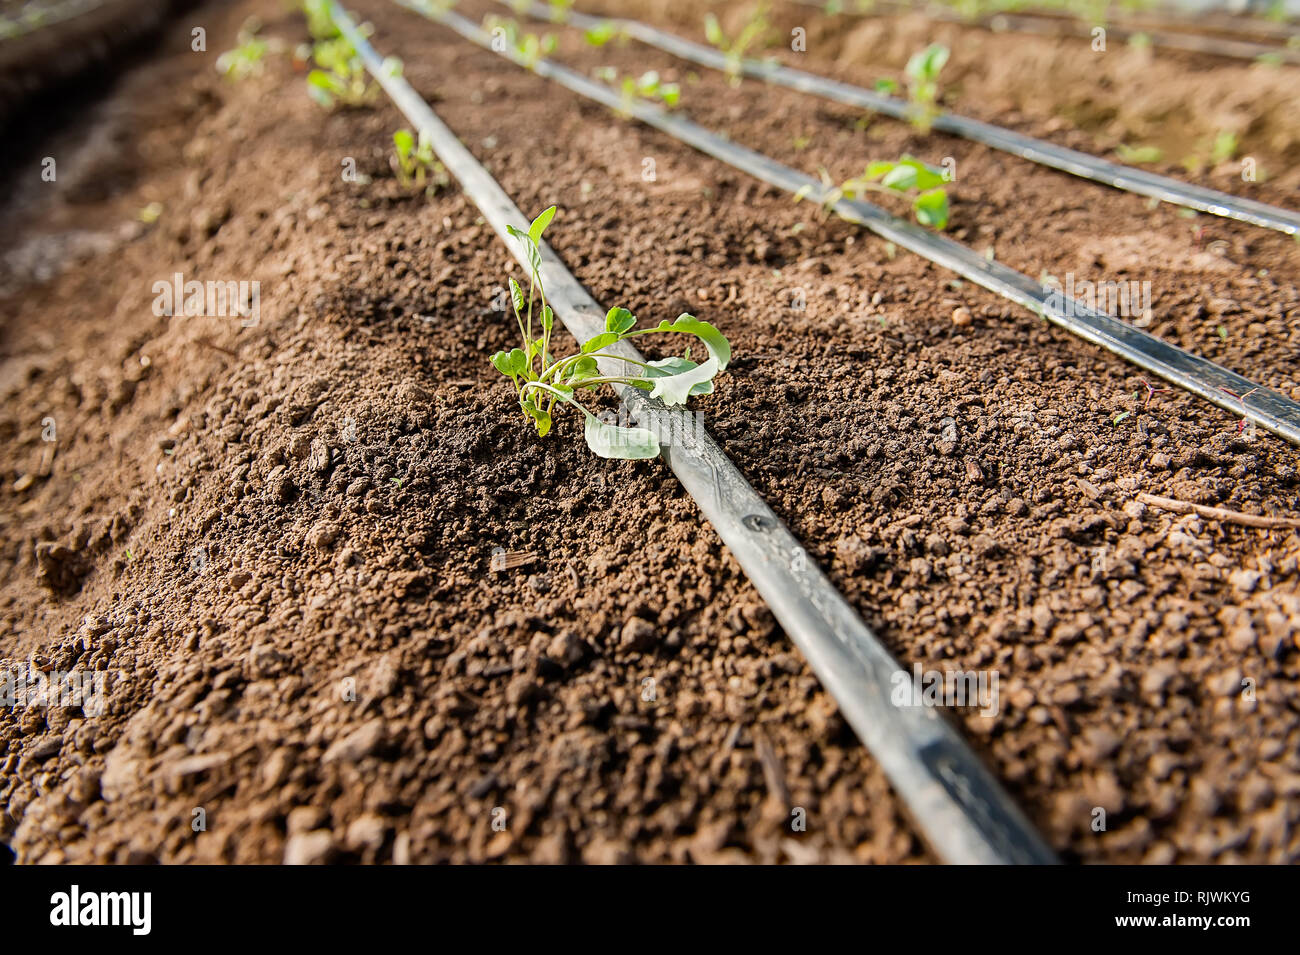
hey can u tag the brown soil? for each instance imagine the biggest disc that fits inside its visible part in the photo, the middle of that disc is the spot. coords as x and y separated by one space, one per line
280 539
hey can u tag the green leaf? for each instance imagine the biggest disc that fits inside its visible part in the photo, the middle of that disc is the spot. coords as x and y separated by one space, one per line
518 361
901 178
541 418
716 343
674 389
877 169
927 176
886 86
932 209
674 365
600 34
619 320
540 223
548 318
1140 154
502 363
597 342
611 441
404 142
713 30
584 367
517 296
530 247
926 64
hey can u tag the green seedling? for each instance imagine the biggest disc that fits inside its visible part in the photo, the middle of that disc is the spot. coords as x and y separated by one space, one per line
1221 150
414 162
648 86
244 60
908 176
1224 148
601 33
1137 155
342 77
923 93
734 49
527 48
542 380
559 10
320 21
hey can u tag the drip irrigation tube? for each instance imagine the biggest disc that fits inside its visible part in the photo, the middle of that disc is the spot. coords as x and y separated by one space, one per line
1270 410
1076 163
1242 25
1167 35
957 804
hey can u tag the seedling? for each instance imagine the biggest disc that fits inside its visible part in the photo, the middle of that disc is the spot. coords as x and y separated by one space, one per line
909 176
559 10
1244 423
1152 391
342 77
647 87
320 21
1221 150
922 74
601 33
528 48
414 162
245 60
1138 155
541 380
734 49
1225 147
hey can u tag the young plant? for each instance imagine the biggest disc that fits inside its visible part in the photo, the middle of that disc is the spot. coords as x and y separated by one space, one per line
1139 154
647 87
601 33
542 380
908 176
245 60
342 77
414 162
1223 148
320 21
922 75
734 49
528 48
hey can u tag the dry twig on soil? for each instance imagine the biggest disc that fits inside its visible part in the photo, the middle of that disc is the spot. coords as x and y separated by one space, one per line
1219 513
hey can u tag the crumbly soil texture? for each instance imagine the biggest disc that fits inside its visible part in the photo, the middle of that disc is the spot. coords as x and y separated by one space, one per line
328 598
